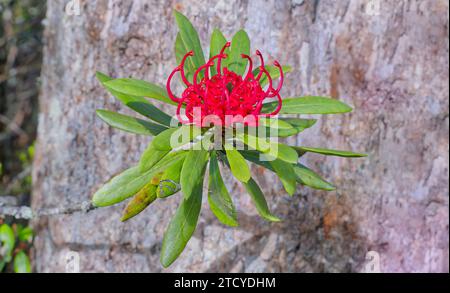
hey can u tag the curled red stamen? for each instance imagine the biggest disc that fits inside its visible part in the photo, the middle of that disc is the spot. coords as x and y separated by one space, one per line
278 109
261 58
204 66
225 93
269 78
169 91
219 62
211 62
183 76
280 84
250 66
180 104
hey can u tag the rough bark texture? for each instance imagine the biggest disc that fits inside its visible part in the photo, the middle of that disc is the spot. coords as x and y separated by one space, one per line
392 67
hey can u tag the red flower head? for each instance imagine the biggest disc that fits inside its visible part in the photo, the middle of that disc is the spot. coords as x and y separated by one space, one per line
225 97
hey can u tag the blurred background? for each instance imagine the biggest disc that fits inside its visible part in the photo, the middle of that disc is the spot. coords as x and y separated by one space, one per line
388 59
21 45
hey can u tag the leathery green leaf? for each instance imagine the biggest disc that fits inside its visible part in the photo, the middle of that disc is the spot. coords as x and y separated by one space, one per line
285 172
329 152
218 40
309 105
300 123
139 88
272 149
240 44
286 153
255 157
274 73
180 52
219 199
176 137
150 157
138 104
129 182
139 202
162 141
257 197
130 124
182 226
259 200
309 178
304 175
193 170
170 181
274 123
296 126
238 165
191 41
120 187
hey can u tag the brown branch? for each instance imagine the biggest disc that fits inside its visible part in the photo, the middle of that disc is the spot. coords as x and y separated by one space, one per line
26 213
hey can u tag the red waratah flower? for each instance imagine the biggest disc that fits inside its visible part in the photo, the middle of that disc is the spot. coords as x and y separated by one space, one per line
213 96
224 97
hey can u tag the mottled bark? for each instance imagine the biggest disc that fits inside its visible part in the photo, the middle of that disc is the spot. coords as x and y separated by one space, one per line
391 65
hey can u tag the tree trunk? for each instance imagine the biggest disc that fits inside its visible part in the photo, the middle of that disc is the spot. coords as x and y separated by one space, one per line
388 59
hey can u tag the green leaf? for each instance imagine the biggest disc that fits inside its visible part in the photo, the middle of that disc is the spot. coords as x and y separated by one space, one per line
287 175
286 153
328 152
161 142
254 157
120 187
271 149
309 105
284 170
182 226
138 88
298 125
7 241
22 263
131 181
138 104
259 200
240 44
25 234
176 137
303 175
218 197
309 178
130 124
150 157
139 202
193 170
265 132
302 124
102 77
238 165
218 40
169 184
275 123
190 40
186 134
258 143
256 195
180 52
273 71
